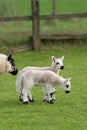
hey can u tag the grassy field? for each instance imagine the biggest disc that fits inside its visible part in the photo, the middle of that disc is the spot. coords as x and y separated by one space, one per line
23 7
69 112
63 6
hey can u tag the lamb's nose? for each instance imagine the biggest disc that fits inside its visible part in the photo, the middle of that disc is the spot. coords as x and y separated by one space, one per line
62 67
67 92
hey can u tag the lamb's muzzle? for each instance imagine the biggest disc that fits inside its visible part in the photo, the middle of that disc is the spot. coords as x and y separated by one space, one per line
67 92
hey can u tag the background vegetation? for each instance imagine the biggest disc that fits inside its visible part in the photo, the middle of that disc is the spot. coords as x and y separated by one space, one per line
17 33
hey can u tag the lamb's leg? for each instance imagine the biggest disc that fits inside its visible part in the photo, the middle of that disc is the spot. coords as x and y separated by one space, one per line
30 96
53 96
45 93
46 90
29 88
21 97
50 100
49 92
24 97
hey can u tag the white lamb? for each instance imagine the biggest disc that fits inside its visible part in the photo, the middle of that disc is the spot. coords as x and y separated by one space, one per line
30 78
7 65
57 64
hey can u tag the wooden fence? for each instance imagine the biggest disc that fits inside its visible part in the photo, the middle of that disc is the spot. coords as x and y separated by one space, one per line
43 17
36 24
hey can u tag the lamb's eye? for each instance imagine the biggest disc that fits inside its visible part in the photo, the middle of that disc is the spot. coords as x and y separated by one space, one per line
67 86
57 63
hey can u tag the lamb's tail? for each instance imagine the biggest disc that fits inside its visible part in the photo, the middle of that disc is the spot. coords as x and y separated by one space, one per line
19 84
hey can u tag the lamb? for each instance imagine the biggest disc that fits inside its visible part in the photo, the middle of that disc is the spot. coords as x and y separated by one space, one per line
30 78
7 65
57 64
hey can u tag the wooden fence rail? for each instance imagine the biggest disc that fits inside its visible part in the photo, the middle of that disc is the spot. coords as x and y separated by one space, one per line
43 17
37 37
63 36
64 16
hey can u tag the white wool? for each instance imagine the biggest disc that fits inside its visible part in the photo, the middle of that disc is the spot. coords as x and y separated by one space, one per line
38 77
30 78
4 64
54 67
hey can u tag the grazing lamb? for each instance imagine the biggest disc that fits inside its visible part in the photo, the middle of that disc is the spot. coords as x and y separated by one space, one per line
30 78
7 65
57 64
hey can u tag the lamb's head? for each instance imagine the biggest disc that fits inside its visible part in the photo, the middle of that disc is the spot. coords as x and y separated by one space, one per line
66 85
57 63
11 65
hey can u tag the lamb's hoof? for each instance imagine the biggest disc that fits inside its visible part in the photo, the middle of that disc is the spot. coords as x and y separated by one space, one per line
26 102
44 100
51 102
20 99
31 100
53 99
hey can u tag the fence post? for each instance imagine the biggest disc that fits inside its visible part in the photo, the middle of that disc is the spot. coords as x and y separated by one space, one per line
35 24
54 7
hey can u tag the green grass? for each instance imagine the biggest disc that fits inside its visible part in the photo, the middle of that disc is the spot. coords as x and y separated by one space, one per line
15 8
69 112
63 6
23 7
72 26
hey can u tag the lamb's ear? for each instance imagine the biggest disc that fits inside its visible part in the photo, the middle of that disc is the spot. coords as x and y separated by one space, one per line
53 58
9 57
67 79
62 58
